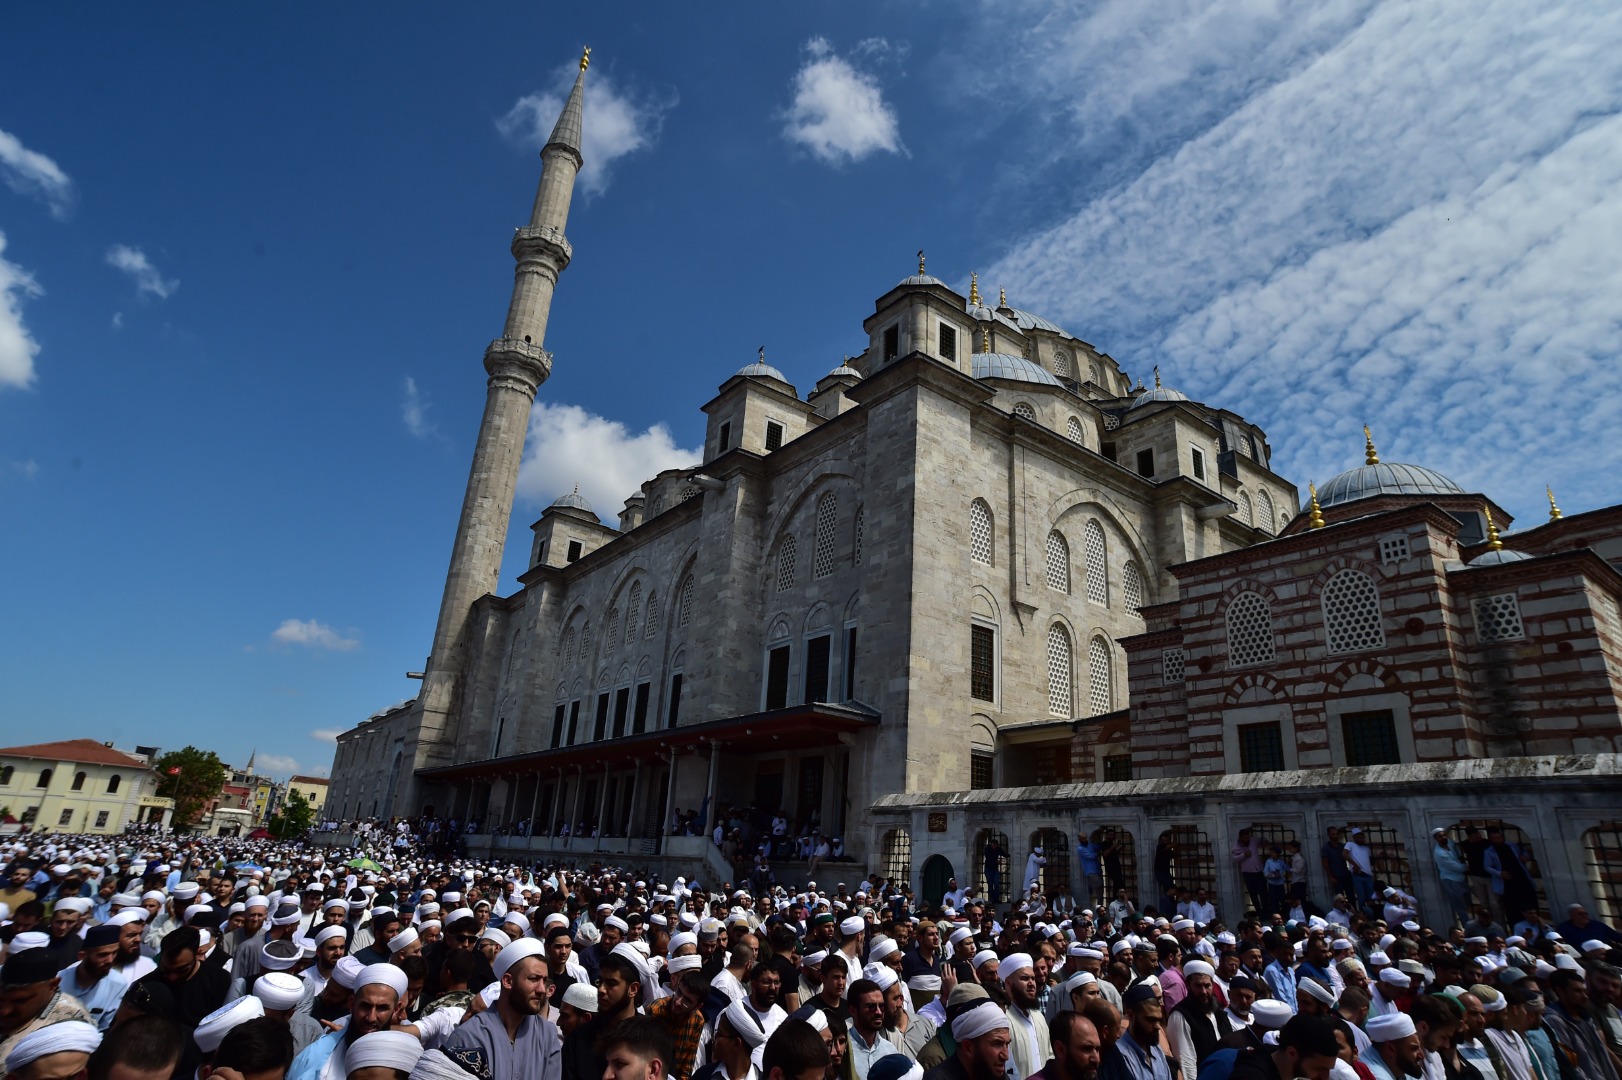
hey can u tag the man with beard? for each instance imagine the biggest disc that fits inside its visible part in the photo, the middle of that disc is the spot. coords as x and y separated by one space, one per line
1029 1031
1394 1050
518 1041
66 920
247 963
867 1041
254 912
385 924
197 988
1196 1026
982 1036
312 1015
1241 996
379 990
92 980
330 943
1136 1055
619 983
129 962
1306 1048
761 998
1076 1049
31 996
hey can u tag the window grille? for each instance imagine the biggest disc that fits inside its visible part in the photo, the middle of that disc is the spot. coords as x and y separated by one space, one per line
1393 549
568 646
1351 606
1059 671
856 554
653 613
949 342
1271 832
1121 864
1072 431
982 884
1111 421
822 561
1055 847
1371 738
1095 372
633 611
1172 664
785 564
1025 412
1264 511
613 629
1118 767
1197 456
65 818
1284 519
684 606
980 532
1098 677
1058 562
1261 747
1194 865
897 854
1097 563
101 819
1515 836
688 492
1132 587
1061 364
1498 618
983 663
1244 509
1387 853
982 770
1250 630
1602 854
774 435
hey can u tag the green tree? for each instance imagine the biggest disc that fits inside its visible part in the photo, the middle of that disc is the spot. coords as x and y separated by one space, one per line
296 816
191 777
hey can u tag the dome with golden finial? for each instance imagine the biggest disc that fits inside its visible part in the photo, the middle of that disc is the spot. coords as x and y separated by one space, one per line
1159 393
1375 477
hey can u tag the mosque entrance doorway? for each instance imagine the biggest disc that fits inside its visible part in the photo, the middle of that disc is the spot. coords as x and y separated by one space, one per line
937 872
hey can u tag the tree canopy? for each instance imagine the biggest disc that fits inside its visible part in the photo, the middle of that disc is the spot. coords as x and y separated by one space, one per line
191 777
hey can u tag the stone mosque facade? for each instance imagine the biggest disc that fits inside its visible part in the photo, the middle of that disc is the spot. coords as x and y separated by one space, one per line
976 582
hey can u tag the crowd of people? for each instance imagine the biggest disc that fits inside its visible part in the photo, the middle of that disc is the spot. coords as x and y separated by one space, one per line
145 958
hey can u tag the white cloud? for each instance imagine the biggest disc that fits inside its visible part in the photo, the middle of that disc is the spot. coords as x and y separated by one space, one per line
17 346
615 122
118 320
326 735
414 410
568 445
274 764
316 635
839 113
28 468
1408 216
31 173
133 261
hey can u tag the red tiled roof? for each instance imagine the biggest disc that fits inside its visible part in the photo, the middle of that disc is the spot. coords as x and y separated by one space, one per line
319 781
83 751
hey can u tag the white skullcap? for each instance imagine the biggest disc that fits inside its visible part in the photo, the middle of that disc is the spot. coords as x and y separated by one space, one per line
1270 1014
962 933
617 923
686 937
186 890
497 935
583 996
1594 945
880 974
1082 951
1078 980
557 918
853 925
458 915
1316 989
1198 967
327 933
234 909
152 894
511 954
29 939
383 975
884 948
77 904
1379 959
279 990
1014 962
983 1018
403 940
212 1028
925 984
518 919
396 1050
1393 977
817 1019
257 902
123 918
1389 1027
336 902
746 1024
426 923
684 963
346 971
982 958
68 1036
813 959
195 910
1183 924
126 899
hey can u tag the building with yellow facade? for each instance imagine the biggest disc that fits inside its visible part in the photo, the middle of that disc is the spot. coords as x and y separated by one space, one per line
79 786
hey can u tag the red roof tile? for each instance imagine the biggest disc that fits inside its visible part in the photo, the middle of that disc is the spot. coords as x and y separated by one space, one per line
318 781
83 751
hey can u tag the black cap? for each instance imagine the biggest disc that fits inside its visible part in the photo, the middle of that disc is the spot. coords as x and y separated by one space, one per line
1310 1036
29 967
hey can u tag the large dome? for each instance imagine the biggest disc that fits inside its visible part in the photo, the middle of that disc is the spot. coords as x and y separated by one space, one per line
1011 367
1385 478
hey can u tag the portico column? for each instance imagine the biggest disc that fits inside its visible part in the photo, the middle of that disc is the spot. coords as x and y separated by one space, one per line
670 802
579 789
556 809
602 808
709 798
631 829
535 805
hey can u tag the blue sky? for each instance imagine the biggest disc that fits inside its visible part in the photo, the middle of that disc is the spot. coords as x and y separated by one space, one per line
251 259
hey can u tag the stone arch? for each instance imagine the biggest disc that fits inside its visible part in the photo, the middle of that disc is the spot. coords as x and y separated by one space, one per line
644 668
984 605
779 629
982 732
1255 687
829 475
1113 518
819 617
1360 675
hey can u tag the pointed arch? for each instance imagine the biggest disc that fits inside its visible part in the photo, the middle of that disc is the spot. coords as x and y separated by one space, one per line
822 556
1250 630
1100 677
1024 411
684 603
1245 514
653 613
1073 431
1264 511
1131 587
1062 366
1058 569
633 611
980 532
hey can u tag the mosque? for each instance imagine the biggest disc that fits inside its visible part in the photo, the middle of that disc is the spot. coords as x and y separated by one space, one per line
975 584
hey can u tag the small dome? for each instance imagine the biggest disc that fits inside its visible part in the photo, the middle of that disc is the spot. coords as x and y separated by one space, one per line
572 501
1159 393
924 279
843 370
761 370
1011 367
1385 478
1496 557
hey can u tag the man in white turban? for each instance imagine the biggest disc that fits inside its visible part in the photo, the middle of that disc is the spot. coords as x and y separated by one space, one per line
515 1036
982 1036
383 1055
1030 1045
56 1050
379 990
1394 1048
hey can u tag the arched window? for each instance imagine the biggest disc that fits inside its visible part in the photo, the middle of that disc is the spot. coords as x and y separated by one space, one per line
786 555
1061 364
78 781
1072 431
44 778
1284 519
1244 509
1098 677
684 606
980 532
613 629
1095 372
1025 412
1096 558
633 611
1250 630
1351 605
1264 511
856 556
1060 670
688 492
1055 847
653 613
822 558
1132 587
896 856
1058 562
568 646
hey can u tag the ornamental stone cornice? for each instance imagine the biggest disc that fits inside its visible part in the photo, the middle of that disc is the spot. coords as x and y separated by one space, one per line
542 242
517 364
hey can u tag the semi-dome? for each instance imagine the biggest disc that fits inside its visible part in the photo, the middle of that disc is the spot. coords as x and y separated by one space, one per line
1012 368
572 501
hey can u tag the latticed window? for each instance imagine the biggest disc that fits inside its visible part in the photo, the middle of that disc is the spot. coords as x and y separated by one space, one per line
684 605
688 492
1351 605
999 863
1393 549
1055 847
1194 864
1387 853
613 629
983 663
856 553
1058 562
1098 677
1371 738
896 858
785 564
1250 630
1498 618
1118 767
633 611
1059 671
1245 513
982 769
1261 747
1095 372
822 560
1112 421
568 646
1061 364
1602 854
1264 511
1132 587
1517 839
1271 832
1172 665
653 613
1097 559
1024 411
1072 431
980 532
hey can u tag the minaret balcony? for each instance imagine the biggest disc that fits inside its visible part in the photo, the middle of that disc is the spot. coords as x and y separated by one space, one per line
540 241
516 357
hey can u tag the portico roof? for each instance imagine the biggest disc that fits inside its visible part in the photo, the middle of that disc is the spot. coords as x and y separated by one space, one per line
798 727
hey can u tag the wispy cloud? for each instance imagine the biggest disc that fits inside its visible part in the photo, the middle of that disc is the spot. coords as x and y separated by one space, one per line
1401 214
414 410
31 173
17 345
839 113
616 121
27 468
326 735
275 764
568 445
133 261
316 635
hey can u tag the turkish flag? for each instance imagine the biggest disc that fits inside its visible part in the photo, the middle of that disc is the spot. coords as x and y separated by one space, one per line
174 770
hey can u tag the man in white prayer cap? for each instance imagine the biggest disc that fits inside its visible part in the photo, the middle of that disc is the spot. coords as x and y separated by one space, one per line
1394 1048
1030 1045
850 947
379 990
982 1036
54 1051
517 1039
383 1055
214 1027
280 992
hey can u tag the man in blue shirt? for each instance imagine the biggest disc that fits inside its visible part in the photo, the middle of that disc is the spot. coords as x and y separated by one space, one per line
1136 1055
92 979
1091 858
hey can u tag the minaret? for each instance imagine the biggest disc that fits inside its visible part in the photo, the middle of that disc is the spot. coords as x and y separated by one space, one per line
517 365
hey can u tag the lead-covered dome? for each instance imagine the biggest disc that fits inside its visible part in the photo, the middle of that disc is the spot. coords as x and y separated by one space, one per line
1158 394
1012 368
1385 478
572 501
761 370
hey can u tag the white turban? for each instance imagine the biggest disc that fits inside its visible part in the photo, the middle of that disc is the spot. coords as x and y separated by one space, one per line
1314 988
852 926
1393 977
346 971
212 1028
817 1019
1078 980
69 1035
384 975
685 937
327 933
983 1018
1199 967
982 958
617 923
1014 962
384 1049
880 974
458 915
1389 1027
883 949
518 950
403 940
962 933
684 963
257 902
196 910
435 1065
127 916
746 1024
1270 1014
279 990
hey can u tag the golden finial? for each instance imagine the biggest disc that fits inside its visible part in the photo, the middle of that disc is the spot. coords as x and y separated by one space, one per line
763 354
1157 376
1370 455
1493 543
585 59
1002 297
1554 509
920 262
1315 513
974 288
985 339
